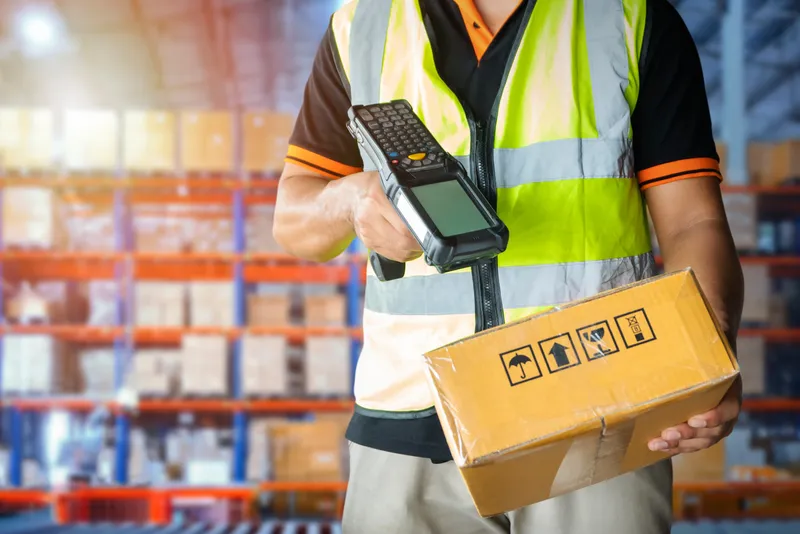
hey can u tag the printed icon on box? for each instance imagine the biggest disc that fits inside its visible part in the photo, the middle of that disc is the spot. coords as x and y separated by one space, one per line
559 353
597 340
520 365
635 328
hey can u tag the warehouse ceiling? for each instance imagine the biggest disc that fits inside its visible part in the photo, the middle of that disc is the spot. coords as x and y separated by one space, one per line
257 54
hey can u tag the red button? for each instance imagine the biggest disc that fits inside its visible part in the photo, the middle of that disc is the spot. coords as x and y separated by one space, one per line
395 162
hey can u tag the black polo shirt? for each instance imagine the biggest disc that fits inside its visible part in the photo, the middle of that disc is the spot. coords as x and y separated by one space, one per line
672 135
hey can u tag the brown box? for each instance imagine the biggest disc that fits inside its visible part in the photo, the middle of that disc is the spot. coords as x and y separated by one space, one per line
207 141
757 292
784 162
149 141
704 466
161 304
565 399
268 310
266 140
328 366
325 310
758 162
307 451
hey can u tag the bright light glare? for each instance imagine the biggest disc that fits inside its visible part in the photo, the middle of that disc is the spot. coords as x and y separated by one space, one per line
38 30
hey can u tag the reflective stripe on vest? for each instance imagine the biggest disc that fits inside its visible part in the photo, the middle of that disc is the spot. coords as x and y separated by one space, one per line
563 166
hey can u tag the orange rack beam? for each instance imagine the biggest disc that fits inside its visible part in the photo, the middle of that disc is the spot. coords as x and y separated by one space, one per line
258 267
278 406
172 335
771 405
774 499
775 335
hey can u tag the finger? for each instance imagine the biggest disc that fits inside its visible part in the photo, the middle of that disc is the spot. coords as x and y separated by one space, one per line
692 445
668 444
728 410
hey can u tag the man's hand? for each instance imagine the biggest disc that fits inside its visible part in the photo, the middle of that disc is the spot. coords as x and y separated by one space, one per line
703 431
377 224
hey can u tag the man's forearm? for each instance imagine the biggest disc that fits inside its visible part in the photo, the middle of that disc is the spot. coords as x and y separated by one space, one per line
313 216
708 249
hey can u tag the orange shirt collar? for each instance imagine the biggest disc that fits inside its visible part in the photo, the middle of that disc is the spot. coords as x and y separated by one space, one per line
479 33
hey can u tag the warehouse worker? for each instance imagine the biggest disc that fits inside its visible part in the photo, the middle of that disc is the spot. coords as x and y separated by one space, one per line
573 113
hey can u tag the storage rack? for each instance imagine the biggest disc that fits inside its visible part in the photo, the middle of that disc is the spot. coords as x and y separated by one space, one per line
124 265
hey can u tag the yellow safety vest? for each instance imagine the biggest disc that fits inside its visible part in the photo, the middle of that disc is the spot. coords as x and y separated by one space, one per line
556 158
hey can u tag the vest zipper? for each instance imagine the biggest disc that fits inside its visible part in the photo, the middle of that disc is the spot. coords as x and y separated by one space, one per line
486 284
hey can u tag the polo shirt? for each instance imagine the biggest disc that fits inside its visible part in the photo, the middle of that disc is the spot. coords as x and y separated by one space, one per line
672 134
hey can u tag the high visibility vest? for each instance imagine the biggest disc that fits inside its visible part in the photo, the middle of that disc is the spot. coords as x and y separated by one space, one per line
556 158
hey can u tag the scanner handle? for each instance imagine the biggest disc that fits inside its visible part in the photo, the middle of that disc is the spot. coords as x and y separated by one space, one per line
386 269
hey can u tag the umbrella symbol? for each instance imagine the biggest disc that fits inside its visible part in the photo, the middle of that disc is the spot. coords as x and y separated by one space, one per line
519 360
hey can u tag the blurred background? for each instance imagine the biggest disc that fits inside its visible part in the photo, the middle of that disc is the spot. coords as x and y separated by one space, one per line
161 361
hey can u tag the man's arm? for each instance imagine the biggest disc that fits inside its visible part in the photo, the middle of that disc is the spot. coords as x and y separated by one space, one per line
679 175
692 231
313 214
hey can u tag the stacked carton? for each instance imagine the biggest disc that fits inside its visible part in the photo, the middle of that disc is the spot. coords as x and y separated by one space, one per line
757 291
311 451
102 299
268 309
211 304
325 310
159 233
204 365
207 234
37 364
155 371
97 371
90 229
31 218
328 366
160 304
264 366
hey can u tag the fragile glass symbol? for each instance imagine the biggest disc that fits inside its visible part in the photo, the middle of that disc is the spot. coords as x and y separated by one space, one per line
519 360
596 337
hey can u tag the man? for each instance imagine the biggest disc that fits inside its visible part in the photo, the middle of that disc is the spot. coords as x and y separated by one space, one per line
559 105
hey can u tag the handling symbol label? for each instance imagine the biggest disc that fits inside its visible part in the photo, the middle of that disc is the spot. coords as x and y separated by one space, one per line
597 340
635 328
520 365
559 353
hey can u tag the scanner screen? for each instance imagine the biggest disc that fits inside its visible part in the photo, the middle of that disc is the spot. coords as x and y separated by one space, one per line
450 208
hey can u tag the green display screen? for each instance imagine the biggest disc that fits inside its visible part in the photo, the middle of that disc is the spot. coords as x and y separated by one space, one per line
450 208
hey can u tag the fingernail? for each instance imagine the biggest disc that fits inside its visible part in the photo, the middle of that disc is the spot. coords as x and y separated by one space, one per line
672 435
658 445
697 423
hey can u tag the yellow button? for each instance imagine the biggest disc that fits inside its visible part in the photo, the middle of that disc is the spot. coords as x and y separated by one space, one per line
418 156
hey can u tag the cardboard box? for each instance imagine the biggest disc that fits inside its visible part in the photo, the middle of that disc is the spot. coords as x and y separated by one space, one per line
264 366
741 210
268 310
307 451
37 364
325 310
757 292
204 365
751 353
758 161
211 304
160 304
26 139
207 141
97 371
562 400
91 140
703 466
150 139
784 162
265 141
328 366
31 218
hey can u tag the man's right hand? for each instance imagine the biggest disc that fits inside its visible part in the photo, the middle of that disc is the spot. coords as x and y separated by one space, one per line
377 224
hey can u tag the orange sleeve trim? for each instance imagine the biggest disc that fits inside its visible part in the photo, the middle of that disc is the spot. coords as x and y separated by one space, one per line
315 170
319 163
679 170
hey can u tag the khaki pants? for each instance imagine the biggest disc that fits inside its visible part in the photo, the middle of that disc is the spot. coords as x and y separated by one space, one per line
393 494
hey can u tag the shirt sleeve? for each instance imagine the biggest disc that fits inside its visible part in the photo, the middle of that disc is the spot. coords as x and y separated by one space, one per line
672 134
320 140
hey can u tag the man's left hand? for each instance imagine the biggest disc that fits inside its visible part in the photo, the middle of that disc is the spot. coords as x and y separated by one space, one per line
702 431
